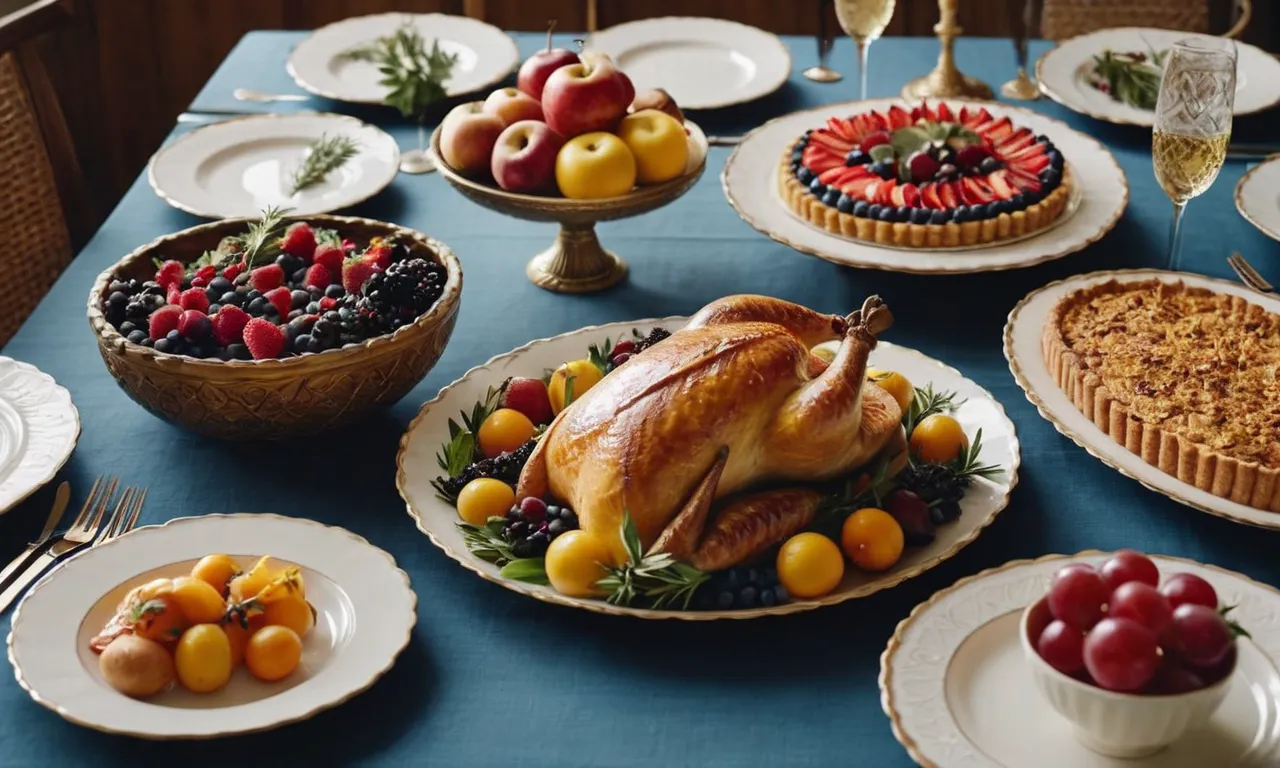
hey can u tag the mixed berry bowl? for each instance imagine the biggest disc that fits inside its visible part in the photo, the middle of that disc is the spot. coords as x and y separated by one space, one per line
281 346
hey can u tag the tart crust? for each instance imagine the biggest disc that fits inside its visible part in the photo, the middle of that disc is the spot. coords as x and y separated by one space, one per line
1160 445
950 235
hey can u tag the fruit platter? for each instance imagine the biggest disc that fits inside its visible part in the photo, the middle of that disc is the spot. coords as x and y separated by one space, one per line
546 471
575 144
273 327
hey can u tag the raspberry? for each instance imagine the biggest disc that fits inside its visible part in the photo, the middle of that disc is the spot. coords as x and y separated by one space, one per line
348 245
354 274
173 294
233 271
194 298
228 325
263 338
299 240
170 273
207 273
282 300
265 278
327 303
318 276
163 320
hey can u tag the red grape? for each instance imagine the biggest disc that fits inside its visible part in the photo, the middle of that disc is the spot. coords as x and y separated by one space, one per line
1218 671
1121 654
1183 588
1126 566
1142 603
1062 647
1173 678
1077 596
1199 635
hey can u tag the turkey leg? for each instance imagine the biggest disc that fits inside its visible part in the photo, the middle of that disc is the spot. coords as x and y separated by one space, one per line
681 536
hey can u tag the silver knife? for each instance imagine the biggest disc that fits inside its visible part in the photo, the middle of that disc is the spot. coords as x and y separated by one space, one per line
60 499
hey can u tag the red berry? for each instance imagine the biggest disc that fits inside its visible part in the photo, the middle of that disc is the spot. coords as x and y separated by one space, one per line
199 282
1172 678
233 271
1121 655
1077 596
874 139
265 278
327 303
317 277
533 509
620 358
163 320
348 244
331 257
1200 635
1125 566
1141 603
299 240
972 156
923 167
1222 669
194 325
263 338
170 273
1062 647
624 347
173 294
354 274
228 325
1183 588
282 299
380 255
194 298
528 396
207 273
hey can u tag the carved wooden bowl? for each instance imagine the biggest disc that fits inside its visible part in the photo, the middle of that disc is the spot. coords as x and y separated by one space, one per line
272 399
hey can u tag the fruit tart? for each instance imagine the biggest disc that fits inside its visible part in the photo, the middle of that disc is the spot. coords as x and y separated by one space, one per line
925 178
1186 378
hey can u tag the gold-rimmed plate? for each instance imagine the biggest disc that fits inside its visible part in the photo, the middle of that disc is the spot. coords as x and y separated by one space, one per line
1022 348
1258 197
749 180
416 466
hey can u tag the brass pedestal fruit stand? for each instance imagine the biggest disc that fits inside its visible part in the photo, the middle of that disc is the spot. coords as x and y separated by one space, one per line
945 81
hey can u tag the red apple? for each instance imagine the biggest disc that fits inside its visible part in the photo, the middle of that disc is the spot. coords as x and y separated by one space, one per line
524 159
537 68
591 95
467 136
513 105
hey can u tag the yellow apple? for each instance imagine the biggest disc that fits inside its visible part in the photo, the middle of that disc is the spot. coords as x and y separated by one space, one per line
595 165
659 143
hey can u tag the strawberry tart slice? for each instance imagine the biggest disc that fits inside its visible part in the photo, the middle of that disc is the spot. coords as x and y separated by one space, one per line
925 178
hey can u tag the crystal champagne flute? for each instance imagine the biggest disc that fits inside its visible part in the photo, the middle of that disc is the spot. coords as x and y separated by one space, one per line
1193 122
822 73
864 21
1026 24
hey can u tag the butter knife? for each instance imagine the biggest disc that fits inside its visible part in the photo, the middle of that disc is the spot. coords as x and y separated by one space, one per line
60 499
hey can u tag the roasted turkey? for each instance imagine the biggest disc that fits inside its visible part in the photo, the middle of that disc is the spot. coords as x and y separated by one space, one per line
733 402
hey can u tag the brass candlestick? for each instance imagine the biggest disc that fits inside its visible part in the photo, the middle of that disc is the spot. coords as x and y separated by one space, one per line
945 80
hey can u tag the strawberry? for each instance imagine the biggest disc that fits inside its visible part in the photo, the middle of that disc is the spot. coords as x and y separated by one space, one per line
949 194
1002 185
830 175
972 120
194 325
838 145
943 113
263 338
265 278
929 196
996 129
857 188
299 240
331 258
173 294
317 276
348 244
874 139
163 320
379 254
233 271
818 158
528 396
885 195
1033 165
170 273
207 273
327 303
910 195
1019 139
354 274
194 298
841 128
282 299
898 117
228 325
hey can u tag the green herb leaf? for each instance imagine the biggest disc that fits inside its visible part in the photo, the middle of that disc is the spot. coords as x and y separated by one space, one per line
414 78
263 238
486 543
967 464
1236 629
325 156
601 355
532 570
328 237
924 403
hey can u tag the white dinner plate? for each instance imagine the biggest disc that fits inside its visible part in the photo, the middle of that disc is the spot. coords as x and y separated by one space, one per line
240 166
750 182
365 611
1258 196
1022 336
956 688
39 427
416 467
1062 73
703 63
485 54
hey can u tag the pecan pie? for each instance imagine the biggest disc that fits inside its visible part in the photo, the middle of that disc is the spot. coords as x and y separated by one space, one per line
1186 378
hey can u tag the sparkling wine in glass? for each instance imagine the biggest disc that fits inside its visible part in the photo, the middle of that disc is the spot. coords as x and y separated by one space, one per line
864 21
1193 122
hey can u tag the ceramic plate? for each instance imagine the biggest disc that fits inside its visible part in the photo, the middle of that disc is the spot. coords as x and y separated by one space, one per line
364 606
702 63
1258 196
238 167
1022 349
39 427
750 182
955 685
485 54
416 467
1062 73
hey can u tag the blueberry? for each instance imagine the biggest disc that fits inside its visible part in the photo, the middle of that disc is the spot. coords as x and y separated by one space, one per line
873 211
1017 202
294 314
1002 206
935 515
903 213
804 176
518 528
556 527
860 208
797 155
313 308
733 578
302 324
950 510
963 213
225 353
1055 160
332 316
298 299
117 299
780 595
1048 145
316 345
1032 197
173 336
127 327
270 311
289 263
258 306
242 278
136 336
888 213
334 291
724 600
163 345
254 293
212 294
885 169
513 515
1050 177
753 576
569 517
230 297
831 196
844 204
298 277
939 217
213 309
522 548
147 342
920 215
539 539
118 286
989 165
302 343
817 187
767 598
239 352
221 284
856 157
747 597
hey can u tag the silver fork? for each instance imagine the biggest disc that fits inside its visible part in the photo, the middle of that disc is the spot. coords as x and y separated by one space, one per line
82 532
126 515
1248 275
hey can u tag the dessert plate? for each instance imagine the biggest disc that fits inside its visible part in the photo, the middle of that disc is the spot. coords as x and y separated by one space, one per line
703 63
1062 73
416 467
954 681
1258 197
1022 335
485 54
39 427
749 180
238 167
365 611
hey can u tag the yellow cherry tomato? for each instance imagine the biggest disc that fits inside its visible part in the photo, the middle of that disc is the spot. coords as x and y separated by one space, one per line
872 539
584 375
251 582
199 601
238 636
809 565
504 431
575 562
292 612
203 658
895 384
159 618
484 498
273 653
938 439
287 583
216 571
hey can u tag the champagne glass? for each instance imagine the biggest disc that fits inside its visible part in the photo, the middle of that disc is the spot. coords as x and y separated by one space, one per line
1193 122
1026 23
864 21
822 73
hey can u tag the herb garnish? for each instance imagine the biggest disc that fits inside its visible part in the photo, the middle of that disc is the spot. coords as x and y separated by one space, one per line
463 445
414 77
1132 78
926 403
263 238
659 579
328 154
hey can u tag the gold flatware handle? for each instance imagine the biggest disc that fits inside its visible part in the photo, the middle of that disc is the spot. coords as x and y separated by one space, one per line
60 499
33 572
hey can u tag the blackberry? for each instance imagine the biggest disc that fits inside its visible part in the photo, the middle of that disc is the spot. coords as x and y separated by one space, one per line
655 336
938 486
532 525
404 291
505 467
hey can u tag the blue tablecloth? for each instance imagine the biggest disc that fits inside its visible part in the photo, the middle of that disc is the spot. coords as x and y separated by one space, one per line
492 678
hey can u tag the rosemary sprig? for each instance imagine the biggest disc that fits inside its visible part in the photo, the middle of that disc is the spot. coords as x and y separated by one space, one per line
263 238
1132 78
326 155
968 465
413 76
601 355
659 580
925 403
463 447
486 542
